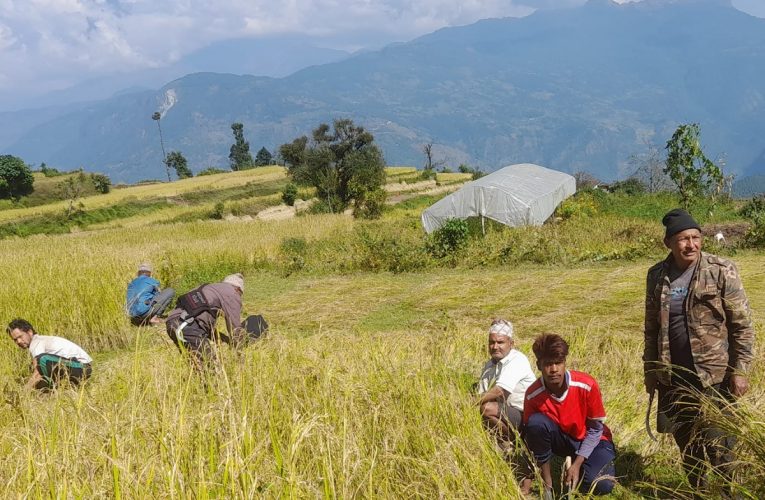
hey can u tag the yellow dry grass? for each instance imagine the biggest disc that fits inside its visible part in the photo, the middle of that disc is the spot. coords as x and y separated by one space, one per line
158 190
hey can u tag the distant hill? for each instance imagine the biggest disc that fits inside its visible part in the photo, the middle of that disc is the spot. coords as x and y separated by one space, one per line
573 89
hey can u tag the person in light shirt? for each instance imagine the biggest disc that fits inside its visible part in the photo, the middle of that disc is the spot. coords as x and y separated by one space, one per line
55 359
503 383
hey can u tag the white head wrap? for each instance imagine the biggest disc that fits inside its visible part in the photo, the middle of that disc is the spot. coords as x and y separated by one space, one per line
502 327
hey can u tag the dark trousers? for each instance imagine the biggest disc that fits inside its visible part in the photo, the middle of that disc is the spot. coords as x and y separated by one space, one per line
54 369
545 439
158 305
195 342
699 439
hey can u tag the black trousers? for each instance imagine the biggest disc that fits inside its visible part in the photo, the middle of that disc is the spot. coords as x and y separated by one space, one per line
700 440
194 341
55 369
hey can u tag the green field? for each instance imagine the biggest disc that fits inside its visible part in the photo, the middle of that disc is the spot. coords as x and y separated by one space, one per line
363 387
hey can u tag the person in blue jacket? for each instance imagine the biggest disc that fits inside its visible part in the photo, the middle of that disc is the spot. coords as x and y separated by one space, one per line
145 300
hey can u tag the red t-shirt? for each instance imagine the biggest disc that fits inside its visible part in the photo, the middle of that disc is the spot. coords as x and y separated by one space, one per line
581 401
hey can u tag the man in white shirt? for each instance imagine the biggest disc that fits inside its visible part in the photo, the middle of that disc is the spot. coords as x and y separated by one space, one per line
55 358
503 383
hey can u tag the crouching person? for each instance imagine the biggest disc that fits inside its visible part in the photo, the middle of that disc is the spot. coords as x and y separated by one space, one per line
503 383
563 415
55 358
191 325
145 301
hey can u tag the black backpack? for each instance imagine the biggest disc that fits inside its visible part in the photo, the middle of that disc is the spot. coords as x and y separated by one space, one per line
194 302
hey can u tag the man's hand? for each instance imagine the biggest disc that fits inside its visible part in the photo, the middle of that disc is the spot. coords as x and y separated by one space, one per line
572 474
739 385
649 379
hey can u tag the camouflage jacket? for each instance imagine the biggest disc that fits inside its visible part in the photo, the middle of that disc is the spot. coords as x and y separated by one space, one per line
718 318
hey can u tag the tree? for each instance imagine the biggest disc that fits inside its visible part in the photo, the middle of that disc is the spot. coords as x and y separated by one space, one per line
239 155
71 189
16 178
585 180
263 158
430 163
101 182
344 165
177 162
649 169
690 170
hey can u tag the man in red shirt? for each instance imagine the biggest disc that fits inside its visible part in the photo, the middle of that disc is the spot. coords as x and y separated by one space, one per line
563 415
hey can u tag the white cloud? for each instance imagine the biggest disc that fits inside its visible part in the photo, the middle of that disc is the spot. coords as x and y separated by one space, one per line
56 43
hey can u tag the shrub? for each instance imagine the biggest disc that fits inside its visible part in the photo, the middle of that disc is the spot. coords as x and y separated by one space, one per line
448 239
293 252
218 211
754 209
372 206
631 186
290 193
382 247
581 205
101 182
212 171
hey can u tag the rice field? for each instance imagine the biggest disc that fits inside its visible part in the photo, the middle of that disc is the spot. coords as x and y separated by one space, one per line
361 390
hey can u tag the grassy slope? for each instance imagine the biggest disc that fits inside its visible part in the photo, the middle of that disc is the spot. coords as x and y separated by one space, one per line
147 191
363 388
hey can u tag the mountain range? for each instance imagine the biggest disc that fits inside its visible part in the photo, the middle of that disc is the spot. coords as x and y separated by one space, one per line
574 89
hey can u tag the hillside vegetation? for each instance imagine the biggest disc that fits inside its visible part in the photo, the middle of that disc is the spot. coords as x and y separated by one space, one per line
363 386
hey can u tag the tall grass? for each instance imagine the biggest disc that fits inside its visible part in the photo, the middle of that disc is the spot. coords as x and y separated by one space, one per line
362 388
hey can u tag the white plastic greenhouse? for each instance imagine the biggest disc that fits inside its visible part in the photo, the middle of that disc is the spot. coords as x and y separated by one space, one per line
523 194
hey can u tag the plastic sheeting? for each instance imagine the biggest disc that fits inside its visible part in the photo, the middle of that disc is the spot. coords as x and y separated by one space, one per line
523 194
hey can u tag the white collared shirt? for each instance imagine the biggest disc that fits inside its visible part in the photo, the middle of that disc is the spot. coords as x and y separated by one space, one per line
512 373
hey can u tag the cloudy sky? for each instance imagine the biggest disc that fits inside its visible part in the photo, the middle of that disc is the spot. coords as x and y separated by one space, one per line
53 44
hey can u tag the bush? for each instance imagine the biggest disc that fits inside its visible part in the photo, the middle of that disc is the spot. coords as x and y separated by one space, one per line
212 171
754 209
581 205
631 186
293 252
382 247
448 239
50 171
373 205
101 182
290 193
218 211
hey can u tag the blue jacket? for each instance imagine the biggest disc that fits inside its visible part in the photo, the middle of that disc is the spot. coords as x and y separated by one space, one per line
140 293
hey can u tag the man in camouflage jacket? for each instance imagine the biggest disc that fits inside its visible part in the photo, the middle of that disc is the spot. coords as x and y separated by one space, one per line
698 341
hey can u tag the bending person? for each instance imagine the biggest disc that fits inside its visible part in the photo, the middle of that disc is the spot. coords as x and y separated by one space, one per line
145 301
55 358
563 415
191 325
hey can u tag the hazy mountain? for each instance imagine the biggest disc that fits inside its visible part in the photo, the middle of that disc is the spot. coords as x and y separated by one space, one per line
573 89
275 57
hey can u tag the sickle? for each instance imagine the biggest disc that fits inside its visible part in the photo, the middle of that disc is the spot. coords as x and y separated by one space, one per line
648 417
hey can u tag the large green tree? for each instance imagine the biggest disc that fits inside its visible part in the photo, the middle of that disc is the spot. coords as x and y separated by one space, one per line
263 158
687 166
239 154
177 162
342 163
16 178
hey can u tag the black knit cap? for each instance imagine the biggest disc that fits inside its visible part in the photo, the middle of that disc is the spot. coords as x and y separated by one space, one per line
678 220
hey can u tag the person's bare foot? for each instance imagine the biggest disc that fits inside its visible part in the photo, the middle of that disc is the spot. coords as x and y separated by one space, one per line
526 486
156 321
